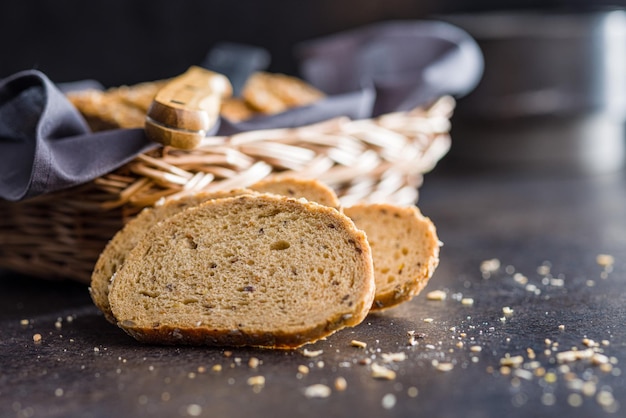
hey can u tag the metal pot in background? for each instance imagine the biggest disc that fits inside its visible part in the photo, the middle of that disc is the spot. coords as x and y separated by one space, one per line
553 94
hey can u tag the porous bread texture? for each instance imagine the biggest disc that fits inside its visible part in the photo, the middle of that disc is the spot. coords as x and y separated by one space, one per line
114 253
254 270
404 246
310 189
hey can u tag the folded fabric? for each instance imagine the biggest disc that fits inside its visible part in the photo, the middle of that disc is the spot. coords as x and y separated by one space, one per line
46 146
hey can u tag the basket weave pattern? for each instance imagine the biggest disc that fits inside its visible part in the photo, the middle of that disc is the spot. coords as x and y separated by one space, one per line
61 235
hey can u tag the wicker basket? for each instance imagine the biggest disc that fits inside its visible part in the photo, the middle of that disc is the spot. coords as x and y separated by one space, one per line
60 235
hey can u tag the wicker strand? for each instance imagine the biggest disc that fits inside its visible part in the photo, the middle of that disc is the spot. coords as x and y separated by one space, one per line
60 235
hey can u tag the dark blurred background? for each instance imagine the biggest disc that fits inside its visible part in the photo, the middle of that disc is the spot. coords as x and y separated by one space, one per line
122 42
553 94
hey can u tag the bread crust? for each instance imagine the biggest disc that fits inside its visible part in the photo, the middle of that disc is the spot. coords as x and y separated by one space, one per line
335 314
310 189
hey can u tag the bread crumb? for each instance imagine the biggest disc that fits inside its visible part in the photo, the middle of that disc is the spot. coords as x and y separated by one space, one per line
381 372
365 361
507 310
359 344
341 384
476 349
389 401
302 369
24 322
509 361
253 363
605 260
37 338
605 398
428 320
413 336
312 353
467 301
550 377
194 410
216 368
561 327
589 343
256 381
443 367
488 267
523 374
520 278
317 391
393 357
438 295
599 359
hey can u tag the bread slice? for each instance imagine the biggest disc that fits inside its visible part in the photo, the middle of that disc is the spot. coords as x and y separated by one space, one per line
254 270
311 189
114 253
274 93
404 246
112 257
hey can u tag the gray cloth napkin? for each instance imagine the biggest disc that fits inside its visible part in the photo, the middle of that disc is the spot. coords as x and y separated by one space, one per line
46 146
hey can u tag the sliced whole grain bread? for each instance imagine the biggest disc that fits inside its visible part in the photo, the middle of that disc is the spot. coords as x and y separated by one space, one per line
112 257
404 246
114 253
253 270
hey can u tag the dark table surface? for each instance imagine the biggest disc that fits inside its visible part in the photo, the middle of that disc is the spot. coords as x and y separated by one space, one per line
546 233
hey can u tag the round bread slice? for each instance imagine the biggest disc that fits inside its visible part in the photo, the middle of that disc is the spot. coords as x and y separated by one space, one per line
311 189
114 253
404 246
254 270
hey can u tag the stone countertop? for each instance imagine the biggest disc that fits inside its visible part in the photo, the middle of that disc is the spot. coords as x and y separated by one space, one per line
532 325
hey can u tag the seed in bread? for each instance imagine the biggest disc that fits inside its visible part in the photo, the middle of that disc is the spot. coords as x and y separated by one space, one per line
310 189
113 255
404 246
253 270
